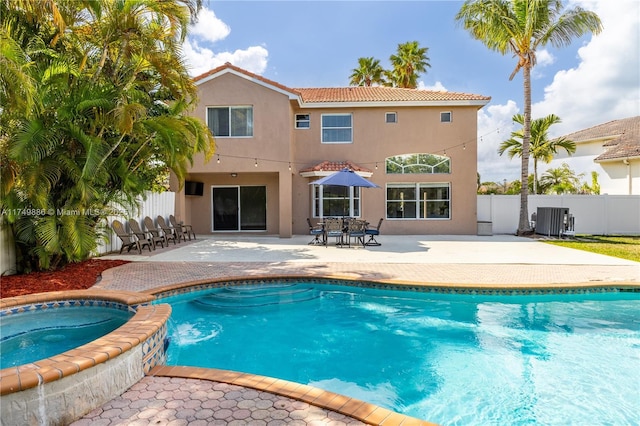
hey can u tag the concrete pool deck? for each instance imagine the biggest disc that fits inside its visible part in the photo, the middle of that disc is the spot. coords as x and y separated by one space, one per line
499 260
180 395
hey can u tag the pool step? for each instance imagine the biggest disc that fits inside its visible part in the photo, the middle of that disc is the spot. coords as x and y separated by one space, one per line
251 297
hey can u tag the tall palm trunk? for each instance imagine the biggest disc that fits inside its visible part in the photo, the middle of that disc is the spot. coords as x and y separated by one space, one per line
523 225
535 175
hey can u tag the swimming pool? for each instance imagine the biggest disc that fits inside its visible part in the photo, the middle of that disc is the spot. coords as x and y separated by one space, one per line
446 358
33 335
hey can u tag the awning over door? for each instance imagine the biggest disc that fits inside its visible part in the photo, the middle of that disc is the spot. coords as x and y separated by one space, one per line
328 167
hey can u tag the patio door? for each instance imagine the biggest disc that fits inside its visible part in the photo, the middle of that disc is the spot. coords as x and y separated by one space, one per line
239 208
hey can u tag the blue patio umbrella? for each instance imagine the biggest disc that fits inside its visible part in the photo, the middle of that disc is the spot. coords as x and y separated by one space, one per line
345 177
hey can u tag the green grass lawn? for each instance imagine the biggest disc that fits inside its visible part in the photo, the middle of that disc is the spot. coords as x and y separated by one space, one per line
625 247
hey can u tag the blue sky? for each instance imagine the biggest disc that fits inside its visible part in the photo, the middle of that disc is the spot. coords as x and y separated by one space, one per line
318 43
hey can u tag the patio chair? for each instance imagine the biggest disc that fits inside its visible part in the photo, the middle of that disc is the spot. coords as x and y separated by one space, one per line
129 241
170 233
186 230
156 234
316 231
373 233
333 227
356 229
140 234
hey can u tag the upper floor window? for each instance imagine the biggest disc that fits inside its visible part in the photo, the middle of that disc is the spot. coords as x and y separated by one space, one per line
303 121
337 128
233 122
445 117
391 117
418 163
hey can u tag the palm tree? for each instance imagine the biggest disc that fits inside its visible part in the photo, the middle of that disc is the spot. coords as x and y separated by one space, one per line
521 27
541 147
368 73
561 180
594 188
111 94
406 65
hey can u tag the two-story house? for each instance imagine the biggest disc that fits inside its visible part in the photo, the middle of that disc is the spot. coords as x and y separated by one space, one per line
274 141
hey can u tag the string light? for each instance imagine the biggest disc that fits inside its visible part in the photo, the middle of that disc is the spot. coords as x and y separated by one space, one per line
374 163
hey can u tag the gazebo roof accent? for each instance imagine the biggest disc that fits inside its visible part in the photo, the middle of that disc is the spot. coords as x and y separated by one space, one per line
325 168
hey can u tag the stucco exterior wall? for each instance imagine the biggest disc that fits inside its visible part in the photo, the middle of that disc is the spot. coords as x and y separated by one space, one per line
418 130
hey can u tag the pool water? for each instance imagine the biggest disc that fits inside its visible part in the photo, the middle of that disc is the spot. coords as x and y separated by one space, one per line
449 359
31 336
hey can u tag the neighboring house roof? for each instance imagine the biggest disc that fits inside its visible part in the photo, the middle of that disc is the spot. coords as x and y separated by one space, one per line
352 96
621 138
327 167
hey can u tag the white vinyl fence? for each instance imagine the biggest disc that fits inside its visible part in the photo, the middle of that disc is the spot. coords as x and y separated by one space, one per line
594 214
153 205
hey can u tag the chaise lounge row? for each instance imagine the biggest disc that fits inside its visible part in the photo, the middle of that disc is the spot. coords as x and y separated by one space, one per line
138 238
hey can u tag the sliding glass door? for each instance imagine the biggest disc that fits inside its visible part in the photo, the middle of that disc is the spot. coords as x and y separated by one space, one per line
239 208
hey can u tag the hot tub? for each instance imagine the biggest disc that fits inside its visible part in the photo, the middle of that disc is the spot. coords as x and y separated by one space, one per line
60 388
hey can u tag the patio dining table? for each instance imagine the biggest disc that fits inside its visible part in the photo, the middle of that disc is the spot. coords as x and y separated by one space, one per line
338 227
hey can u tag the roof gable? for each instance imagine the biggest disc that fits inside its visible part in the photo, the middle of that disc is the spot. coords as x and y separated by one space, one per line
227 68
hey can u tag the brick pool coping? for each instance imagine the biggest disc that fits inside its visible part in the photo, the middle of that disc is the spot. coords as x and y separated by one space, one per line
351 407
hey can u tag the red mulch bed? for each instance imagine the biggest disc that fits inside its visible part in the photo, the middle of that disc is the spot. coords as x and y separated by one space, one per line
75 276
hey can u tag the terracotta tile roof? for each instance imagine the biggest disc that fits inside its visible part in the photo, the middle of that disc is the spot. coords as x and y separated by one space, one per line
382 94
353 94
335 166
622 138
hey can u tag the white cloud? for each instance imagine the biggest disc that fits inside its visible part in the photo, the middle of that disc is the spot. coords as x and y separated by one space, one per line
438 87
495 124
606 84
209 27
544 58
200 57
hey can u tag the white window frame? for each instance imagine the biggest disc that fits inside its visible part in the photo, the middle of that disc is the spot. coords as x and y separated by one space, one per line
323 128
300 121
442 115
391 114
417 205
354 200
231 108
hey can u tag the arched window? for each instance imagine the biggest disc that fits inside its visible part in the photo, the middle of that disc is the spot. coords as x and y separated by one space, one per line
418 163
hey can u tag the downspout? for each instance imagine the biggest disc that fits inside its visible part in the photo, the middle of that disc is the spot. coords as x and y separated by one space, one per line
630 181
